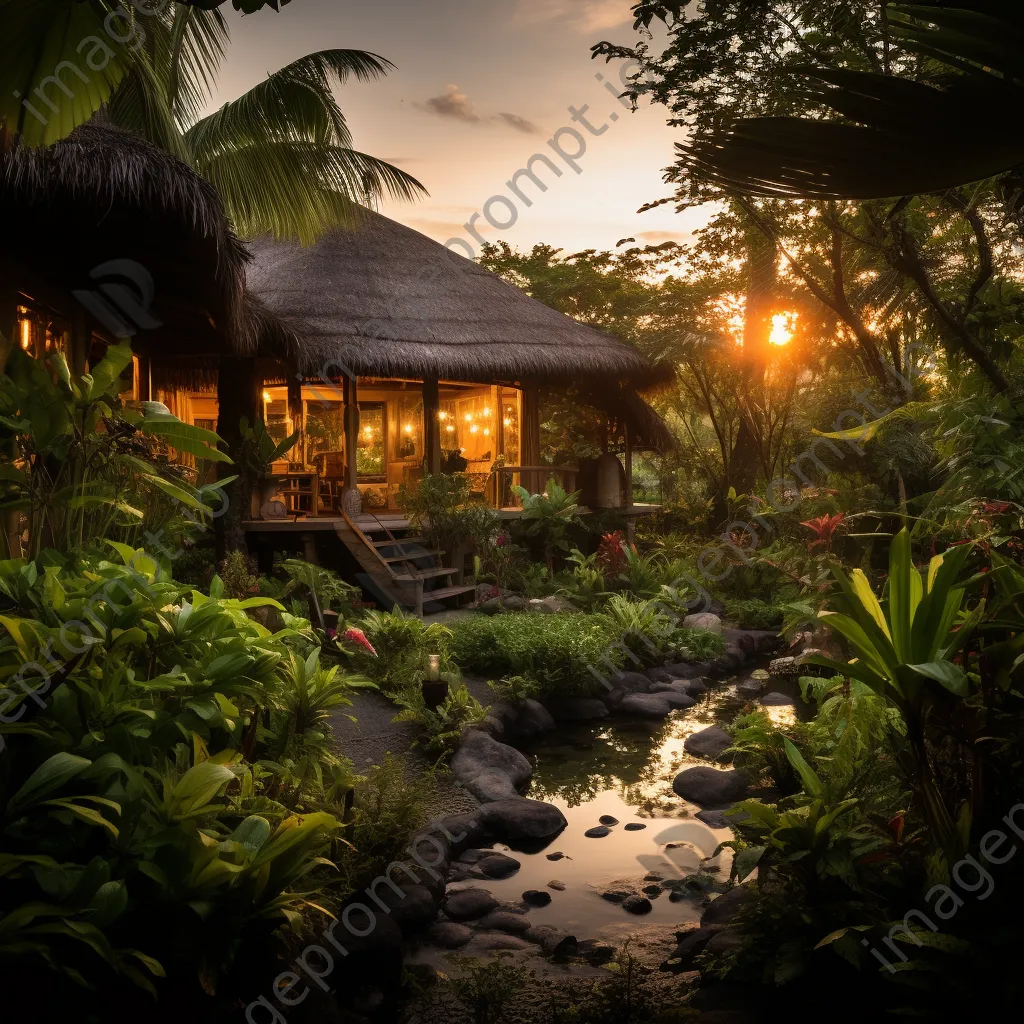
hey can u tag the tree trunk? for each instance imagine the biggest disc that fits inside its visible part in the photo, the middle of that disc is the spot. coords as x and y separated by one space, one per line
239 383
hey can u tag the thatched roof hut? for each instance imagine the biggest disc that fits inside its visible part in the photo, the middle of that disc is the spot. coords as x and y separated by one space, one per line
104 194
386 301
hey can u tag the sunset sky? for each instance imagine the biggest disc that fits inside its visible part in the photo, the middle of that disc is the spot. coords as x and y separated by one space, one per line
481 87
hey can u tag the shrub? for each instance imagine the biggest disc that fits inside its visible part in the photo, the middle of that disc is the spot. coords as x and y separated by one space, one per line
556 650
402 643
442 508
754 614
442 726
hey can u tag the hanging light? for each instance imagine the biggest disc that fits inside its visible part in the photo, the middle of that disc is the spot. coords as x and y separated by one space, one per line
506 422
408 428
473 429
450 429
368 431
442 415
469 417
487 431
266 395
487 411
26 334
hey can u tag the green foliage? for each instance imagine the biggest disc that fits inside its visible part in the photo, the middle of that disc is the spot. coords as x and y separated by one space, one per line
548 518
258 449
324 589
754 614
556 650
442 727
238 577
442 508
402 642
486 990
515 689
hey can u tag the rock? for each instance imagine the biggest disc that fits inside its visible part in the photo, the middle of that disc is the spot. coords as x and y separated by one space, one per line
459 872
614 697
728 940
497 866
556 885
537 897
750 687
703 620
514 603
632 682
705 785
414 908
651 890
645 705
616 895
694 687
723 910
577 709
491 785
714 819
710 743
554 604
499 940
763 641
674 699
474 856
553 941
608 819
634 826
659 674
690 946
491 606
598 832
637 904
777 700
462 830
468 904
519 818
594 951
653 876
557 855
504 921
687 669
479 753
449 934
531 719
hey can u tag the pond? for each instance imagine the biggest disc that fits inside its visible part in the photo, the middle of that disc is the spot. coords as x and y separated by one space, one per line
624 768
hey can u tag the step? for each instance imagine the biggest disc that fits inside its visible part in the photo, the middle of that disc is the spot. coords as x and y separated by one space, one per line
444 592
389 543
425 574
414 555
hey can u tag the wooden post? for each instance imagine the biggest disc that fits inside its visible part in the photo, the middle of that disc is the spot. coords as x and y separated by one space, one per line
529 434
239 386
628 460
432 425
351 398
297 414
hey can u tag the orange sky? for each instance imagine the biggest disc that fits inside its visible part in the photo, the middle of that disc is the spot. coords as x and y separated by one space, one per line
481 87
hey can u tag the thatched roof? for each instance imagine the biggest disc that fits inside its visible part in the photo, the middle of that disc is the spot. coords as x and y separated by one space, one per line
104 194
384 300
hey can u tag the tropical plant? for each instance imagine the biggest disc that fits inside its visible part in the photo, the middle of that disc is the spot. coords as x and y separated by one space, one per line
401 643
442 507
548 517
515 689
79 462
442 726
325 589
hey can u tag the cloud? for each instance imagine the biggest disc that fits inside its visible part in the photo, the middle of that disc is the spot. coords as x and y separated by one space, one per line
584 15
519 123
452 103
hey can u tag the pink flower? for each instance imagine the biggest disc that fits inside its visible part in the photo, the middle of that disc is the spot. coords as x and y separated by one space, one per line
500 541
358 637
332 634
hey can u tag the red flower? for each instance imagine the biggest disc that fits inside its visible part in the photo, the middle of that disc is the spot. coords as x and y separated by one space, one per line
825 527
332 634
500 541
358 637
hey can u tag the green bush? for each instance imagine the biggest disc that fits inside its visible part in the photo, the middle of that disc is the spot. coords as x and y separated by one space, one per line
556 650
754 614
402 642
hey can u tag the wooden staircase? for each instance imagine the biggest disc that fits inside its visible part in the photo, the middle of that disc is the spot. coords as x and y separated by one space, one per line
393 563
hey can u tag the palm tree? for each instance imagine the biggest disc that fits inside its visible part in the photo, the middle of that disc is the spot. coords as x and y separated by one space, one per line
897 137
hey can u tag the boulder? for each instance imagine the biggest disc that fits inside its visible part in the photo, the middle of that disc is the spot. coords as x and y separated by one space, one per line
498 940
687 669
577 709
722 911
691 945
474 856
598 832
514 603
728 940
694 687
536 897
479 753
714 818
556 885
653 891
462 830
703 620
634 826
491 785
658 674
449 935
531 719
636 904
632 682
645 705
616 895
764 641
553 941
674 699
608 819
504 921
520 818
704 785
497 865
468 904
777 700
412 907
710 743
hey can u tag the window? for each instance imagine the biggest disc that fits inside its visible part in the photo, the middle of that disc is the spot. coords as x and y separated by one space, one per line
409 444
371 453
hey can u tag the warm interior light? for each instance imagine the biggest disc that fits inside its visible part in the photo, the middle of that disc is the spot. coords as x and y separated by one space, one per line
442 415
469 418
507 422
408 428
26 334
266 396
473 429
487 412
368 431
450 429
487 432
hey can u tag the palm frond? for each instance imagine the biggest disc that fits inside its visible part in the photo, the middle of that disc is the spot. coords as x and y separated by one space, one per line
197 43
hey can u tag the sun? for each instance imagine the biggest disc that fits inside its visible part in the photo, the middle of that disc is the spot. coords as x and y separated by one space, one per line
782 328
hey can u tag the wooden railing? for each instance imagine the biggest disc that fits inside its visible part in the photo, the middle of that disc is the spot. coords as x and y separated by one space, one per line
533 478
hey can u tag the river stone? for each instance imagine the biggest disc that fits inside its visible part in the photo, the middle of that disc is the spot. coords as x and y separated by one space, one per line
577 709
705 785
498 941
645 705
478 753
608 819
710 743
634 826
598 832
462 830
690 946
694 687
468 904
498 866
504 921
412 907
674 699
777 700
635 904
449 935
553 941
659 674
537 897
750 687
703 620
556 885
557 855
531 719
633 682
616 895
491 785
723 910
728 940
474 856
714 819
520 818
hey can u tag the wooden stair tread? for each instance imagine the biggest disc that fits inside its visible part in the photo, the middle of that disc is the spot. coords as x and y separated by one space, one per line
443 592
425 574
398 540
414 555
